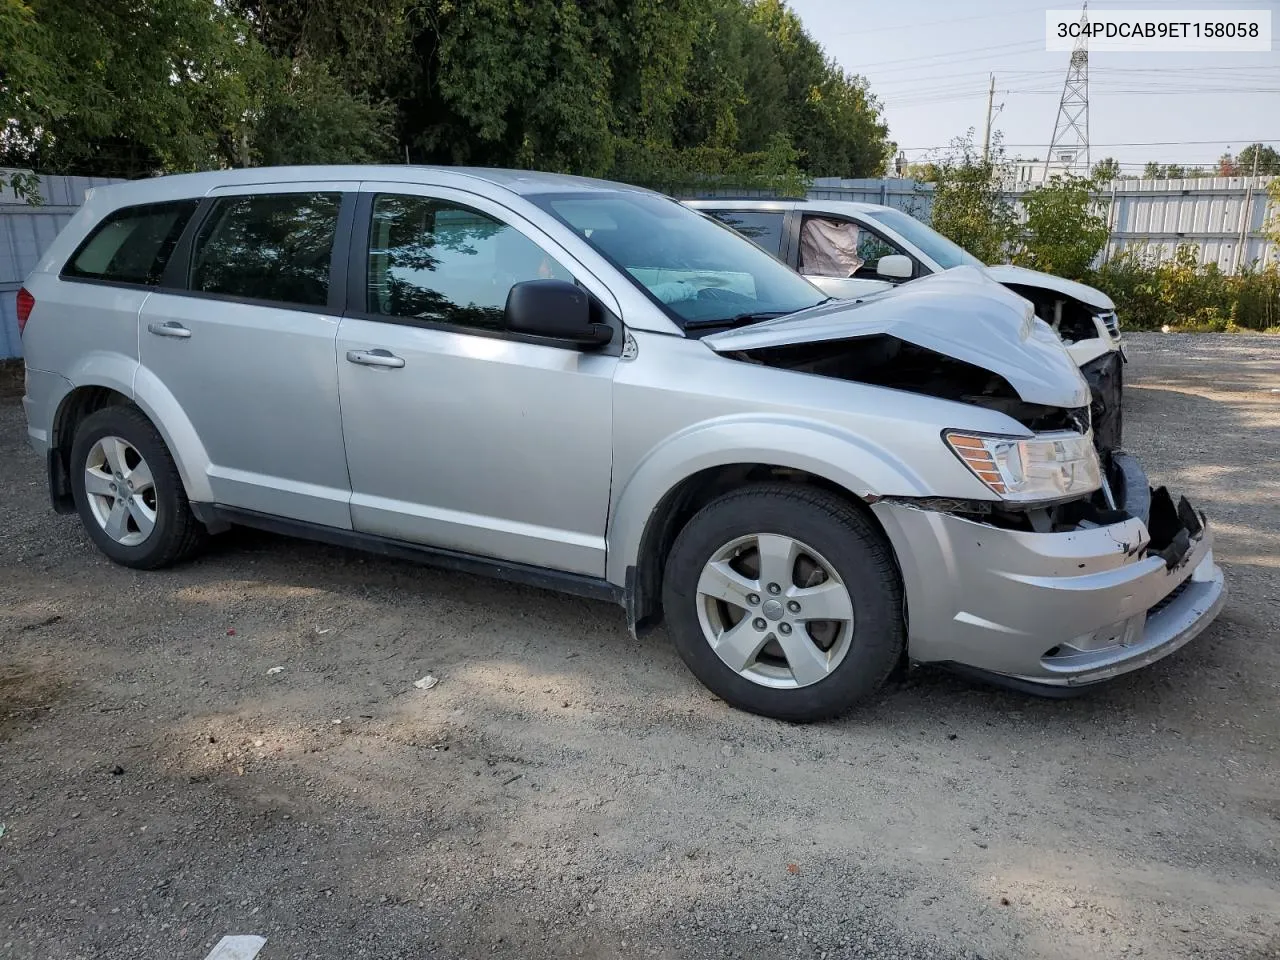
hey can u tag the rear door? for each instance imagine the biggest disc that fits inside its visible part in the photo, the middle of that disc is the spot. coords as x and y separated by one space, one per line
246 346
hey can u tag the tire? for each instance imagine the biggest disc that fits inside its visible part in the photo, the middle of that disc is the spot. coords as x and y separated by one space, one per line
834 547
152 526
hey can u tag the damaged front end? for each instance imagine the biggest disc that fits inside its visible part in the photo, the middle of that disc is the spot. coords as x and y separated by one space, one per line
1053 599
1073 569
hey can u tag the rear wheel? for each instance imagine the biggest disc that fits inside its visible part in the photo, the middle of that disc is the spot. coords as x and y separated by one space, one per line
128 492
785 601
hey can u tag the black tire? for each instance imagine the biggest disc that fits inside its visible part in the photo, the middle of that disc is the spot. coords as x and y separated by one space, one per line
848 540
177 534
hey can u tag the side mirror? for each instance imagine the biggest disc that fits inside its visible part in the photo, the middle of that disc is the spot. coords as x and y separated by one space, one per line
895 266
556 309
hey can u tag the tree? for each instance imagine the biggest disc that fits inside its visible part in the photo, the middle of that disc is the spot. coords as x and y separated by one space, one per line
308 117
126 88
1227 166
925 171
968 203
1152 171
1064 229
1106 170
1268 160
131 87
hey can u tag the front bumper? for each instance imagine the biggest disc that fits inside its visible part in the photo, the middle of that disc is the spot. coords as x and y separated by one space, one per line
1056 609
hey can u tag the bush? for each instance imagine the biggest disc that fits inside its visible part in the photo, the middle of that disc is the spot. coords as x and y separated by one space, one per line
1064 228
969 206
1186 295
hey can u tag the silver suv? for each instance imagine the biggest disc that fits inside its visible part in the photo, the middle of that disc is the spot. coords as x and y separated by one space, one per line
591 387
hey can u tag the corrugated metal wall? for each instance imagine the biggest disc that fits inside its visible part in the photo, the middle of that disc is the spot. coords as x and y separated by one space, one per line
1223 216
25 234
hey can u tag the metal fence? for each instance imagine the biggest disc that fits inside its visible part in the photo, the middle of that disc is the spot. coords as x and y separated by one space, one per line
26 231
1223 217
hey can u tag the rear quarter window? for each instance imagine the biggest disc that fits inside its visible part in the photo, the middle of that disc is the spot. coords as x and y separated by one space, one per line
132 244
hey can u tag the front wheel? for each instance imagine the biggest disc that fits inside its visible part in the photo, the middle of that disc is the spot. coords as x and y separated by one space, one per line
128 492
785 601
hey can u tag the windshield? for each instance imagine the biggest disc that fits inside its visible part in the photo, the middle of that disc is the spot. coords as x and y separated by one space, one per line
700 272
930 242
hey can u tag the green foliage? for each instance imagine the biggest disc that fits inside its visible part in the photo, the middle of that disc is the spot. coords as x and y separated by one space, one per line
307 116
1064 230
694 170
1268 160
1182 294
1176 171
1106 170
969 205
104 87
133 87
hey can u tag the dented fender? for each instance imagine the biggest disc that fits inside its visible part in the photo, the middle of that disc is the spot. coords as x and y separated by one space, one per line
841 457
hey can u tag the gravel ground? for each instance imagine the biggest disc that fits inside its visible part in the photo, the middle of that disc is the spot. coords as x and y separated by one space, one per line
568 791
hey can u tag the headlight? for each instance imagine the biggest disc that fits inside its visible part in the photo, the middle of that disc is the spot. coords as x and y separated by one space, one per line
1048 466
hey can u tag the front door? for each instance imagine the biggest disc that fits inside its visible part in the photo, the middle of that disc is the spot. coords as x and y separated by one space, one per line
840 256
246 349
459 435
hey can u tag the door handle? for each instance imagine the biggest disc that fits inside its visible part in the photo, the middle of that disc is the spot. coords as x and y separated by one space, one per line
170 328
375 358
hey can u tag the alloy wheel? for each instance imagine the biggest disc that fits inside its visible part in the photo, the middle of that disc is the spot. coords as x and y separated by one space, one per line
775 611
121 491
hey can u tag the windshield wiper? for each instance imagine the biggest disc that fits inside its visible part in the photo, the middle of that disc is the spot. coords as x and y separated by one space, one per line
739 320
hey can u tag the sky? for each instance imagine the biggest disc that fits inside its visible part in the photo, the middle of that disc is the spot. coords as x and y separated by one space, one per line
929 63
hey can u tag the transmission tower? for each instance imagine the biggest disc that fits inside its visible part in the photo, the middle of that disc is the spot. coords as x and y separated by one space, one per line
1069 148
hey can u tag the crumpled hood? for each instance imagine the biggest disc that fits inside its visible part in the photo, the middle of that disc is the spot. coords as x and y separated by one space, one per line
1090 296
960 313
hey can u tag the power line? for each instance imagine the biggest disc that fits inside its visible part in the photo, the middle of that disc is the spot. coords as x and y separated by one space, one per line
933 56
1225 142
915 26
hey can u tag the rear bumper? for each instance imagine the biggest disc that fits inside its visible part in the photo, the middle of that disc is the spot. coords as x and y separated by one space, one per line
1055 609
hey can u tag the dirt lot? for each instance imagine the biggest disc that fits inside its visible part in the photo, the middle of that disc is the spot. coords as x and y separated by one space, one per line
568 791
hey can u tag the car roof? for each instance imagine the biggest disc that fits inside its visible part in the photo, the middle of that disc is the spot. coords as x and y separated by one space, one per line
816 206
523 182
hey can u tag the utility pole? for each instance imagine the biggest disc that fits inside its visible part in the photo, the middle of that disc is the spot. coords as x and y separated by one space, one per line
986 136
1070 139
1246 214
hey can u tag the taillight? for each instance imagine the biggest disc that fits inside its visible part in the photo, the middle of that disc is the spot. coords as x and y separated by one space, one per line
25 302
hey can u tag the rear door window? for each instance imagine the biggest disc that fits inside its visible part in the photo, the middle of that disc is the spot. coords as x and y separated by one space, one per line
272 247
133 244
761 227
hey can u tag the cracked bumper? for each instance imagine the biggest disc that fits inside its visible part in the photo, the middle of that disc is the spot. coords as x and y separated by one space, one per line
1051 609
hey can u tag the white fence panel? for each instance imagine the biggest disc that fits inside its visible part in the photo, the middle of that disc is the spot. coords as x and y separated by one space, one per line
26 232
